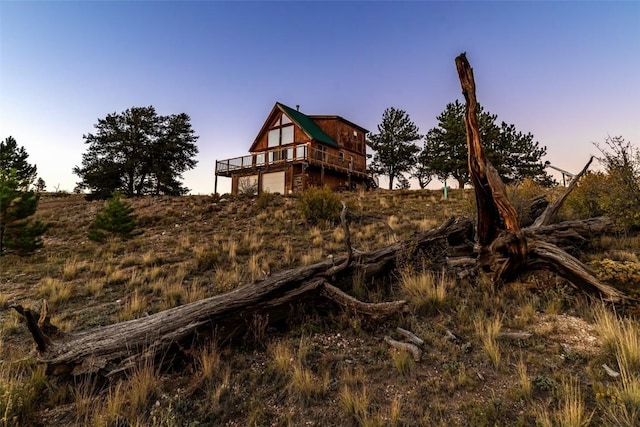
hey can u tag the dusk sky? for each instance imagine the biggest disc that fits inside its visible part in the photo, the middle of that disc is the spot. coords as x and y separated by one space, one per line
565 71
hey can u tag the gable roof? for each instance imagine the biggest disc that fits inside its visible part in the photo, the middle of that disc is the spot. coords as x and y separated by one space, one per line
303 121
307 125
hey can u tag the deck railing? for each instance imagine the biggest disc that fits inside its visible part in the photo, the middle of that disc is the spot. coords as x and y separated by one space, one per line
293 153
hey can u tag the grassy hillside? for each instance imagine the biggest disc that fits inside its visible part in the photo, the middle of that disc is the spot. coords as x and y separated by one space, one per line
324 366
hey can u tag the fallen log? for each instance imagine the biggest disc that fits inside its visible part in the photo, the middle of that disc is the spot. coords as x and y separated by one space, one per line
112 349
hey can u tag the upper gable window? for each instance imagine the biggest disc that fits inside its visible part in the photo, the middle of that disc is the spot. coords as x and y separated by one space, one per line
287 135
282 132
274 138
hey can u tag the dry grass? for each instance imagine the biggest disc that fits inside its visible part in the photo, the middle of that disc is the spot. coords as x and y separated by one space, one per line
619 336
402 361
571 411
55 291
424 289
487 331
134 307
355 403
209 362
305 386
340 373
524 381
311 256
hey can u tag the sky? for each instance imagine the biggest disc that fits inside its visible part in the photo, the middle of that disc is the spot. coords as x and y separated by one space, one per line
565 71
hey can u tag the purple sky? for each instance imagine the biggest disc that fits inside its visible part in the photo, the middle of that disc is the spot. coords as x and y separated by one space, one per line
565 71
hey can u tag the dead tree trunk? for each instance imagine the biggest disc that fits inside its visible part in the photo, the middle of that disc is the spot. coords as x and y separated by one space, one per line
505 250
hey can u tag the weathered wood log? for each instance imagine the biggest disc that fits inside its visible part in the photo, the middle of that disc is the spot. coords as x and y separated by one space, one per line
111 349
410 336
405 346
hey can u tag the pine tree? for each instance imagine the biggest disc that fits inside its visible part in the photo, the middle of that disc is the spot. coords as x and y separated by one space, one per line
117 218
394 145
138 152
515 155
18 232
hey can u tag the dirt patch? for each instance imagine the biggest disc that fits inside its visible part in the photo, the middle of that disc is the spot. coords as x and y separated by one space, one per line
572 333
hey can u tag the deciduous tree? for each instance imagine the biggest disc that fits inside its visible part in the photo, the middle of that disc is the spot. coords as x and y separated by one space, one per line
394 145
138 152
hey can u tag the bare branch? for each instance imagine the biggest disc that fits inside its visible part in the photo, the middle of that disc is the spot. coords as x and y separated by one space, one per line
373 309
552 209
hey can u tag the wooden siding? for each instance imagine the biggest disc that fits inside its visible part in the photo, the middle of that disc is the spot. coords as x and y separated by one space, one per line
342 133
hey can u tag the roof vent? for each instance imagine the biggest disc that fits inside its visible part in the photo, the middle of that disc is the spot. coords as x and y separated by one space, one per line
297 107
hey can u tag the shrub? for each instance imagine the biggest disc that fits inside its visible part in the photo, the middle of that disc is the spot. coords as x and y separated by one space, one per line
264 200
116 218
587 199
615 193
319 204
522 198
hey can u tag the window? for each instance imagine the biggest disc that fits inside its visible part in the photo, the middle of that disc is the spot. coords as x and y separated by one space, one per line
301 152
287 135
281 134
260 159
274 138
321 153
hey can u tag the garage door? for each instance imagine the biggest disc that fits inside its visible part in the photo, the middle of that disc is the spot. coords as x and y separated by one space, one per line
273 182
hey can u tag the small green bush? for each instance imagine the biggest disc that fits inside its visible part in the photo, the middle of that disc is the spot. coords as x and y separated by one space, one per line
319 204
116 218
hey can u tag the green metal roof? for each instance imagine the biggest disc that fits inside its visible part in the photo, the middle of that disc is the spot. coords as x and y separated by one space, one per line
308 126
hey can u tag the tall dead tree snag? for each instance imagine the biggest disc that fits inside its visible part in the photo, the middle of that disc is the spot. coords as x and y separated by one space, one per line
505 249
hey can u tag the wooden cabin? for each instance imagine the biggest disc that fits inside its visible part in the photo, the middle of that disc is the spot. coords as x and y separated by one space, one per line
294 151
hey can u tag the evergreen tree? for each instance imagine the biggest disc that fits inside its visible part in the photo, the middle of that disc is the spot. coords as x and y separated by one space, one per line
18 232
41 185
14 158
117 218
423 170
394 145
515 155
138 152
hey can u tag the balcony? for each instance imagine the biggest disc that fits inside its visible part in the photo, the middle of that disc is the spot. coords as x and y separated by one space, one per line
297 153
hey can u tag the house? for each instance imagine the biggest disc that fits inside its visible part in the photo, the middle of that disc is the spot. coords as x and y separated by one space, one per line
294 151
